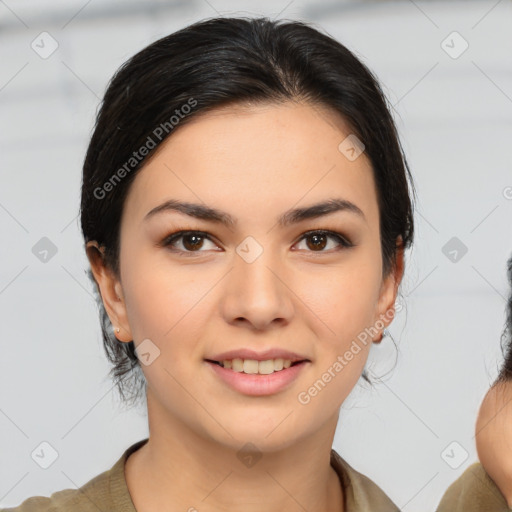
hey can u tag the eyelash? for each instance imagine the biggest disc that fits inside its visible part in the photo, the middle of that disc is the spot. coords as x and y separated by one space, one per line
170 239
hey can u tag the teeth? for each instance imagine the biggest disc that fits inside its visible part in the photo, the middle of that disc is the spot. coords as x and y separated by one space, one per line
253 366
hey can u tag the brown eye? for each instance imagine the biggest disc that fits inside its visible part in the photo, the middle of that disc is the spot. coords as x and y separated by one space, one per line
316 241
191 241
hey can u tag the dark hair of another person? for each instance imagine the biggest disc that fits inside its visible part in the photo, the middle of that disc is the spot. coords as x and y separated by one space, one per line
219 62
506 370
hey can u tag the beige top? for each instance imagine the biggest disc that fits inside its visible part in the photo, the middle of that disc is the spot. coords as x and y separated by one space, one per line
109 492
473 491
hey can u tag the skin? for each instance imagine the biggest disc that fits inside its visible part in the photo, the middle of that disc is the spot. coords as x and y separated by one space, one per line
494 437
254 162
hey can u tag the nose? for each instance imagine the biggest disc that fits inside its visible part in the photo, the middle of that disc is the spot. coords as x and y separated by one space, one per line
257 294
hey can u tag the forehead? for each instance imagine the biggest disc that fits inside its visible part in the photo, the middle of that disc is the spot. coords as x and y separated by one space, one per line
264 157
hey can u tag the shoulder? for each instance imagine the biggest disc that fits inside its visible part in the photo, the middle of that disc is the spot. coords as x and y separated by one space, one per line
88 498
475 491
67 499
106 491
361 493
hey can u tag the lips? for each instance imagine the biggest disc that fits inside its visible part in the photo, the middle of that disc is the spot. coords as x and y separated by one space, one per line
273 353
258 384
220 363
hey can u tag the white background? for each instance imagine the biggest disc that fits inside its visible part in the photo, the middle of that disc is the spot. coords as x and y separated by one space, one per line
454 116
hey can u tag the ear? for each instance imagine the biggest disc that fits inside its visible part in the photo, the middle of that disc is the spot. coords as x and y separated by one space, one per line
111 291
385 310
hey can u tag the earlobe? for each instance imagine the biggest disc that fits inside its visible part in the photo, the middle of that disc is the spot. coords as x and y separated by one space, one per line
389 290
110 290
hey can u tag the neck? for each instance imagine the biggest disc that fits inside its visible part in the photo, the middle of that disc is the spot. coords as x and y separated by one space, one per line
178 469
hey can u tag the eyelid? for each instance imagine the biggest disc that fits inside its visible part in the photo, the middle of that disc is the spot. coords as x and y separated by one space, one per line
343 241
176 235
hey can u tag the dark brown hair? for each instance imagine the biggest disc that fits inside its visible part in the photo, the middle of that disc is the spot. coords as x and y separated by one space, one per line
506 338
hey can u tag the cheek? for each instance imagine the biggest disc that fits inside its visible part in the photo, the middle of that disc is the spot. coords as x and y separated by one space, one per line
166 307
162 302
344 298
340 308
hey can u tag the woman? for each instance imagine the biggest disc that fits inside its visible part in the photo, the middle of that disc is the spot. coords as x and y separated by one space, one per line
245 209
487 485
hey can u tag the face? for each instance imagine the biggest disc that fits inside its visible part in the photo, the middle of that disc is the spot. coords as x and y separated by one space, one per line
264 280
493 436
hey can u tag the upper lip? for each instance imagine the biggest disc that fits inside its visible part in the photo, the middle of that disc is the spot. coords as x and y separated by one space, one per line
245 353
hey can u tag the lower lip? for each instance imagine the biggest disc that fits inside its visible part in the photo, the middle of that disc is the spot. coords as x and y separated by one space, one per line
256 384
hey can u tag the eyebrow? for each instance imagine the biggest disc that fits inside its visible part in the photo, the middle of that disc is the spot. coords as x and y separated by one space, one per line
293 216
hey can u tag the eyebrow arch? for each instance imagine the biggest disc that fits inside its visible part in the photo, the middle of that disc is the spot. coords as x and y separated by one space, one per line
293 216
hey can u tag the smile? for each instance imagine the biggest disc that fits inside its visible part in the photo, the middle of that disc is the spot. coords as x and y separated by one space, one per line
252 366
243 378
